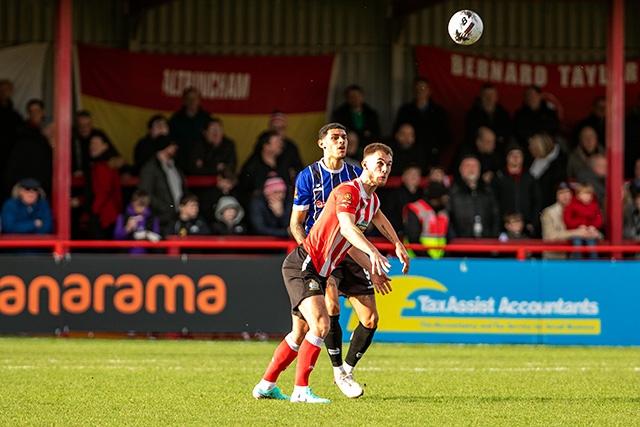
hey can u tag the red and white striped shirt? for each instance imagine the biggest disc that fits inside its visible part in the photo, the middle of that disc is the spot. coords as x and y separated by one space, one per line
324 244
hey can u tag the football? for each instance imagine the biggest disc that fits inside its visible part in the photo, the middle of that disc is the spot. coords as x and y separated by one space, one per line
465 27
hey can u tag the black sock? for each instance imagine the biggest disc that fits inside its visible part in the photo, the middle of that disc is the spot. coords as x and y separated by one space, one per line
360 342
333 341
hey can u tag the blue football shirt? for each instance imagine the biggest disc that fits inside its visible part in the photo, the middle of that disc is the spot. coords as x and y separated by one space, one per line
313 185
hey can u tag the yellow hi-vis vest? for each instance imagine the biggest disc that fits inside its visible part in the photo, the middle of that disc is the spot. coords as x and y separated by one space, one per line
434 226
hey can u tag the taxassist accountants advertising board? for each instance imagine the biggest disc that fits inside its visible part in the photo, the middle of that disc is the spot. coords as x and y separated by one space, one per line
505 301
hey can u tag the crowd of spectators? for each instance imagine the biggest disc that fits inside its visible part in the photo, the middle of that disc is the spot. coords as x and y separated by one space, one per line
508 177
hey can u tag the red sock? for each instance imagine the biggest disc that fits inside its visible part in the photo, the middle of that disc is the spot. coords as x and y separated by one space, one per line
282 358
307 358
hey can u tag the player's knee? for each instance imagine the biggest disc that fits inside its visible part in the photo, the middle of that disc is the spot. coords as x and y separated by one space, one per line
370 321
322 327
333 308
297 336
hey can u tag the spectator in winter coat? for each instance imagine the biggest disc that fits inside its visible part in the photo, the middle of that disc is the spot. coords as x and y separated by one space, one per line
163 180
82 133
290 155
487 111
31 155
549 166
229 214
355 114
536 115
271 210
145 147
187 124
553 226
262 164
473 210
517 191
213 152
588 146
105 196
188 222
429 120
27 211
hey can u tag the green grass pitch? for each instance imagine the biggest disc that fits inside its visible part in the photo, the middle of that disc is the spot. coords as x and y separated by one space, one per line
110 382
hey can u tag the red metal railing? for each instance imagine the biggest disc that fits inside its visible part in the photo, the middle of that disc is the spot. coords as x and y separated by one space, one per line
521 249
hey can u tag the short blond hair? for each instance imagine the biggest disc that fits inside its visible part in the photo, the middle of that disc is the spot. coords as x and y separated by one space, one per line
584 187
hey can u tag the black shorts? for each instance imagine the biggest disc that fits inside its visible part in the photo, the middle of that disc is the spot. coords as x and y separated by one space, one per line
352 278
301 278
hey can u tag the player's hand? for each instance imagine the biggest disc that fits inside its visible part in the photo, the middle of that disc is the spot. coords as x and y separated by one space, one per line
403 256
379 263
381 283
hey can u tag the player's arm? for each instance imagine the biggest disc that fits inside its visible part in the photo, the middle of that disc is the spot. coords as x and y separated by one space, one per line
302 199
352 233
296 224
381 282
384 226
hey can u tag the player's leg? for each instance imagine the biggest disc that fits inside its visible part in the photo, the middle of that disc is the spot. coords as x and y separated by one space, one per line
355 281
285 353
333 340
367 312
314 310
288 349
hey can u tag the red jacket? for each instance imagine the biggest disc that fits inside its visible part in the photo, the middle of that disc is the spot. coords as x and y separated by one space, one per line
577 213
107 196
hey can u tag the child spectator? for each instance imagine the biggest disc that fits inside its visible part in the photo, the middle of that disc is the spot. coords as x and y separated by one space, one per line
437 174
27 211
188 222
271 210
137 223
226 182
514 227
229 215
583 211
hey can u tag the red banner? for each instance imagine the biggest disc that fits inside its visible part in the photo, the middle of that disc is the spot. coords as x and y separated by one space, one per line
229 84
571 87
123 89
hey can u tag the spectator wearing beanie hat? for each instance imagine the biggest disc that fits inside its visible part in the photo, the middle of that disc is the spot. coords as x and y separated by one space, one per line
270 210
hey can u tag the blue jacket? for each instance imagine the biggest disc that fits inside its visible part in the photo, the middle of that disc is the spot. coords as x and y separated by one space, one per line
19 218
264 222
